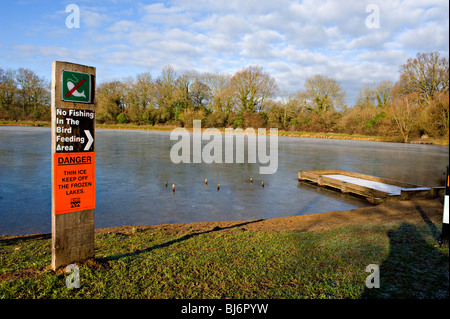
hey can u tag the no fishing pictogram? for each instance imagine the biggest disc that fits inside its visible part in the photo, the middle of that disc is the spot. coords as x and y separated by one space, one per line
76 87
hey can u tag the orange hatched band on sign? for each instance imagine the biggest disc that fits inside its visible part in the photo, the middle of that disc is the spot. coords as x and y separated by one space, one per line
74 175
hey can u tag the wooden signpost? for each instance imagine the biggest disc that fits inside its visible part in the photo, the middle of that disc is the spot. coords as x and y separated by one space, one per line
73 163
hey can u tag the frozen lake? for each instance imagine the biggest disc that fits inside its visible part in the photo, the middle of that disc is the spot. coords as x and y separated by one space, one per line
132 167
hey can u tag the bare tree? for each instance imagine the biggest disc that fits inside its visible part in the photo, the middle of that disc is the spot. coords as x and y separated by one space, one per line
252 88
220 91
110 100
191 91
366 97
383 93
404 110
281 113
435 118
33 91
374 95
199 95
140 95
183 85
323 94
426 74
166 87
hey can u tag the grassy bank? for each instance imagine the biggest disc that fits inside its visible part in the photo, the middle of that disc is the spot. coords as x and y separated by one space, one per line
235 260
25 123
280 132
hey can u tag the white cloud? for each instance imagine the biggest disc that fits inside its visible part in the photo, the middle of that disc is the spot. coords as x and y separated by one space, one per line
372 40
159 14
260 44
429 37
92 19
229 26
122 26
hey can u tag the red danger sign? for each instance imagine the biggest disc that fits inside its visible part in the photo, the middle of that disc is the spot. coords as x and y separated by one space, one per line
74 183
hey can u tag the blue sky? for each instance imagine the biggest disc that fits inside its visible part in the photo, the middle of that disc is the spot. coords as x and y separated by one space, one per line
290 39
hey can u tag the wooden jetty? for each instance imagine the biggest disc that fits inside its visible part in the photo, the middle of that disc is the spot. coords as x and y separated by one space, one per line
375 189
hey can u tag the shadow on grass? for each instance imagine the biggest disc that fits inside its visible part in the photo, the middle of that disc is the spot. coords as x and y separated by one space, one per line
171 242
15 240
415 268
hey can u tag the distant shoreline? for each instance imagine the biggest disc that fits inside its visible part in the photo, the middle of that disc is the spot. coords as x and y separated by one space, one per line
280 132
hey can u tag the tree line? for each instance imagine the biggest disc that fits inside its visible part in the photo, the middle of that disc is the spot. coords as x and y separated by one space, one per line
417 105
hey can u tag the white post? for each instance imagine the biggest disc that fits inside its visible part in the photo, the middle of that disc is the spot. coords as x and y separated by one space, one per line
443 239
